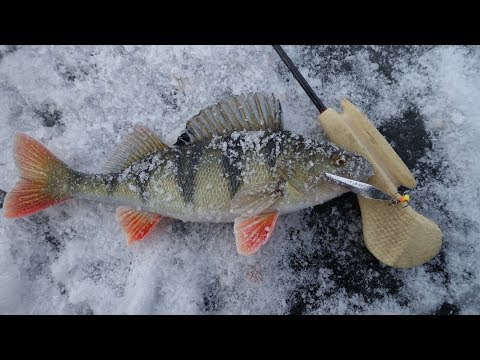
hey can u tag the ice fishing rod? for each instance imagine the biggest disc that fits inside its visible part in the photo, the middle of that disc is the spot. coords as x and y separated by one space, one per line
360 188
299 77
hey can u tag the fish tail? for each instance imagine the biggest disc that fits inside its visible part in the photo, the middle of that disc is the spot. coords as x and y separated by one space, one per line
44 179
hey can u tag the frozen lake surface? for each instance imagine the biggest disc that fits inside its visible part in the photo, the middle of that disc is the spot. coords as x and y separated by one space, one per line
81 100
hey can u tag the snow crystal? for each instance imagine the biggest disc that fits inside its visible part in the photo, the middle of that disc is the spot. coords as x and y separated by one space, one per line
82 100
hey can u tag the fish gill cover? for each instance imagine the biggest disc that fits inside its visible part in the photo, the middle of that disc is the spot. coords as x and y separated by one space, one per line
81 100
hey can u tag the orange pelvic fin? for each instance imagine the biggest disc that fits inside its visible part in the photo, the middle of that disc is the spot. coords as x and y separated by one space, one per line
253 232
136 224
40 173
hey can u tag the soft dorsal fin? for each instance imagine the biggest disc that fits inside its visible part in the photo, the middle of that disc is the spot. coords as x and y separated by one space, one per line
136 146
255 111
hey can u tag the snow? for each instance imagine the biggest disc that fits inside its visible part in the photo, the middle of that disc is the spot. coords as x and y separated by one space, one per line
81 100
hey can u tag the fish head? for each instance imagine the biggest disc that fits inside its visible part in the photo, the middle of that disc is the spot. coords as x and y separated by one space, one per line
347 164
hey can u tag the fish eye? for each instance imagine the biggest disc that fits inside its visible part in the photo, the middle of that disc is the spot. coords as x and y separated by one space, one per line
339 159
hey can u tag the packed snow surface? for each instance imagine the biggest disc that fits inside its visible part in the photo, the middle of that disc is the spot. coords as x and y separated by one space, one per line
81 100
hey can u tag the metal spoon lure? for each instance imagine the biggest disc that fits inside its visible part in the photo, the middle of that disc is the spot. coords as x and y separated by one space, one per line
360 188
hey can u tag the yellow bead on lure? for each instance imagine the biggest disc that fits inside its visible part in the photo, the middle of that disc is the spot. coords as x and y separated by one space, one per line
234 163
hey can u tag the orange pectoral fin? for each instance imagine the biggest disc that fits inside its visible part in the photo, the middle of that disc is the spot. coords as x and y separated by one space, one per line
136 223
253 232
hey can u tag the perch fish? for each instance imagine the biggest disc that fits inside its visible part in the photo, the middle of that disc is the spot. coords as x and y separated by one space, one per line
233 163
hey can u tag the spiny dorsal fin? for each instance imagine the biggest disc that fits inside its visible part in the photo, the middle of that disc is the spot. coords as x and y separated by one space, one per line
256 111
137 145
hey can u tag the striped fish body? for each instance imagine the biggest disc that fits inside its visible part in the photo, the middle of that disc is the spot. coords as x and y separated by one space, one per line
234 163
198 181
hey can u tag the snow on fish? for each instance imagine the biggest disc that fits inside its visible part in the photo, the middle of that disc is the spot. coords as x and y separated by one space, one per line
233 163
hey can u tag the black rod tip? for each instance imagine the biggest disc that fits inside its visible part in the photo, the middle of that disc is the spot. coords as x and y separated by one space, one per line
299 77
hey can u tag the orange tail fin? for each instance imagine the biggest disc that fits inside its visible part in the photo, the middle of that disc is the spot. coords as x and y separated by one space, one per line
43 179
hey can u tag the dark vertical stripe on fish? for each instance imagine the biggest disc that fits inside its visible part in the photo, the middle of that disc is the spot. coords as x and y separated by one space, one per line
142 185
231 171
142 177
111 182
187 160
273 149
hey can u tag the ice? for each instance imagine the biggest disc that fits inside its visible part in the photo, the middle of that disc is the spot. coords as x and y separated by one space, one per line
80 101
